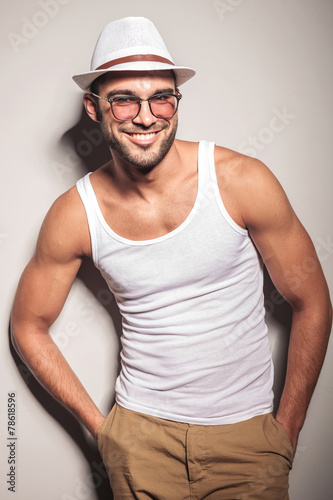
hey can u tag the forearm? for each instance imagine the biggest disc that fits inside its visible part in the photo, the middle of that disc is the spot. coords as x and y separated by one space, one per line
51 369
307 348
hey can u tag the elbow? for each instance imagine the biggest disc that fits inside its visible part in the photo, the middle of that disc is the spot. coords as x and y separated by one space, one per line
317 310
13 328
12 333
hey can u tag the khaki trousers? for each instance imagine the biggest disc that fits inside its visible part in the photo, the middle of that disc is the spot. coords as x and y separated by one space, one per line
152 458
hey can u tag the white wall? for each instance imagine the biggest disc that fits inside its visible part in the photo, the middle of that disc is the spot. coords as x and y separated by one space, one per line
255 60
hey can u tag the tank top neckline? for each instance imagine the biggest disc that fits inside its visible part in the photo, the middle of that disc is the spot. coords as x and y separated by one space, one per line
170 234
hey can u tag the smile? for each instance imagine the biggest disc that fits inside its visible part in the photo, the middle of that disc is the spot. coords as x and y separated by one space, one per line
143 137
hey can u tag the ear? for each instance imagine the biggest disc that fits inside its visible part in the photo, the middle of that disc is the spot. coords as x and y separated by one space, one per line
91 107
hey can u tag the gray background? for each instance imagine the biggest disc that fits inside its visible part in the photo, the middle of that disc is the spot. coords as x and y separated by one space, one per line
256 61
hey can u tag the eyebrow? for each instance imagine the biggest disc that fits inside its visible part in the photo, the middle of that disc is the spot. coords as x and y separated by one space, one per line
113 93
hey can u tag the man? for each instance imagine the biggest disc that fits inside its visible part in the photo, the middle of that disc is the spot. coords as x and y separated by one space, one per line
179 232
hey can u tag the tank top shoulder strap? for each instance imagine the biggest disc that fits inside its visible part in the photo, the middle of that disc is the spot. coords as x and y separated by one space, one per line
90 204
205 168
208 183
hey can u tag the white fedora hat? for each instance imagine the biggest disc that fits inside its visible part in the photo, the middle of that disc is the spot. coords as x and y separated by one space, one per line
131 44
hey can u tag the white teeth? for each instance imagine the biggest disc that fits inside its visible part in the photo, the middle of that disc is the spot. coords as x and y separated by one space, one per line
143 137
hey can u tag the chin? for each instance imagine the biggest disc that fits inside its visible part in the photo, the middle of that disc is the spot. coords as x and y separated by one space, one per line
148 156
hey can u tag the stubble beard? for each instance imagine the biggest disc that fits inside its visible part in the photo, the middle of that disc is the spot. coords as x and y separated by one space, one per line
145 160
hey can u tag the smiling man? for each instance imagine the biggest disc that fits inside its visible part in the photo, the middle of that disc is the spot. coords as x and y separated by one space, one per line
180 232
125 102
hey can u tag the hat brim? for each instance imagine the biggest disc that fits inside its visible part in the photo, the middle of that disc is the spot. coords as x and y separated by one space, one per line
182 74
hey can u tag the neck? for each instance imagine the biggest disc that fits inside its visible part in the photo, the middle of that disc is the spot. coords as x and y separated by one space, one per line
140 179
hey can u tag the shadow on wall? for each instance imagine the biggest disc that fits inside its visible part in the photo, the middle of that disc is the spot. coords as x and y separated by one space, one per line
86 142
278 319
97 480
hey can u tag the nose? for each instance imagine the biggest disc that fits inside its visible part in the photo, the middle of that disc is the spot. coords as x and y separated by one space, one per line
145 116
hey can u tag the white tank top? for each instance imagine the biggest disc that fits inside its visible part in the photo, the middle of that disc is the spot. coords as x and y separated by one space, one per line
194 341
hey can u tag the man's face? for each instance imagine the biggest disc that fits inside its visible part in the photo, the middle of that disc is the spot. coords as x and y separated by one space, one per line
144 141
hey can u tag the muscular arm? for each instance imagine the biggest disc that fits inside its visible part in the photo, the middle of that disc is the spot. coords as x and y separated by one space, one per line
293 265
41 294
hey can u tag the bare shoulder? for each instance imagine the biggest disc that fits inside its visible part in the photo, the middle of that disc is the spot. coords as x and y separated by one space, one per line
68 203
235 168
250 189
65 231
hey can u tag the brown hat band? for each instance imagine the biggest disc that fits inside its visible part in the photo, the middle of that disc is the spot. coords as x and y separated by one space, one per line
139 57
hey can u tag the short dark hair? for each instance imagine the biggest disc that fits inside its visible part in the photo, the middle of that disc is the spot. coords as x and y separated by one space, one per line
96 84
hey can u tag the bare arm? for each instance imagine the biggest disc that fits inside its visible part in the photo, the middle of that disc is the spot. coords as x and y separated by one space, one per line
293 265
41 294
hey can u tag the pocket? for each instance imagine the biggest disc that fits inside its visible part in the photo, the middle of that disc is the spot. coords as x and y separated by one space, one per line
99 431
282 441
105 428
